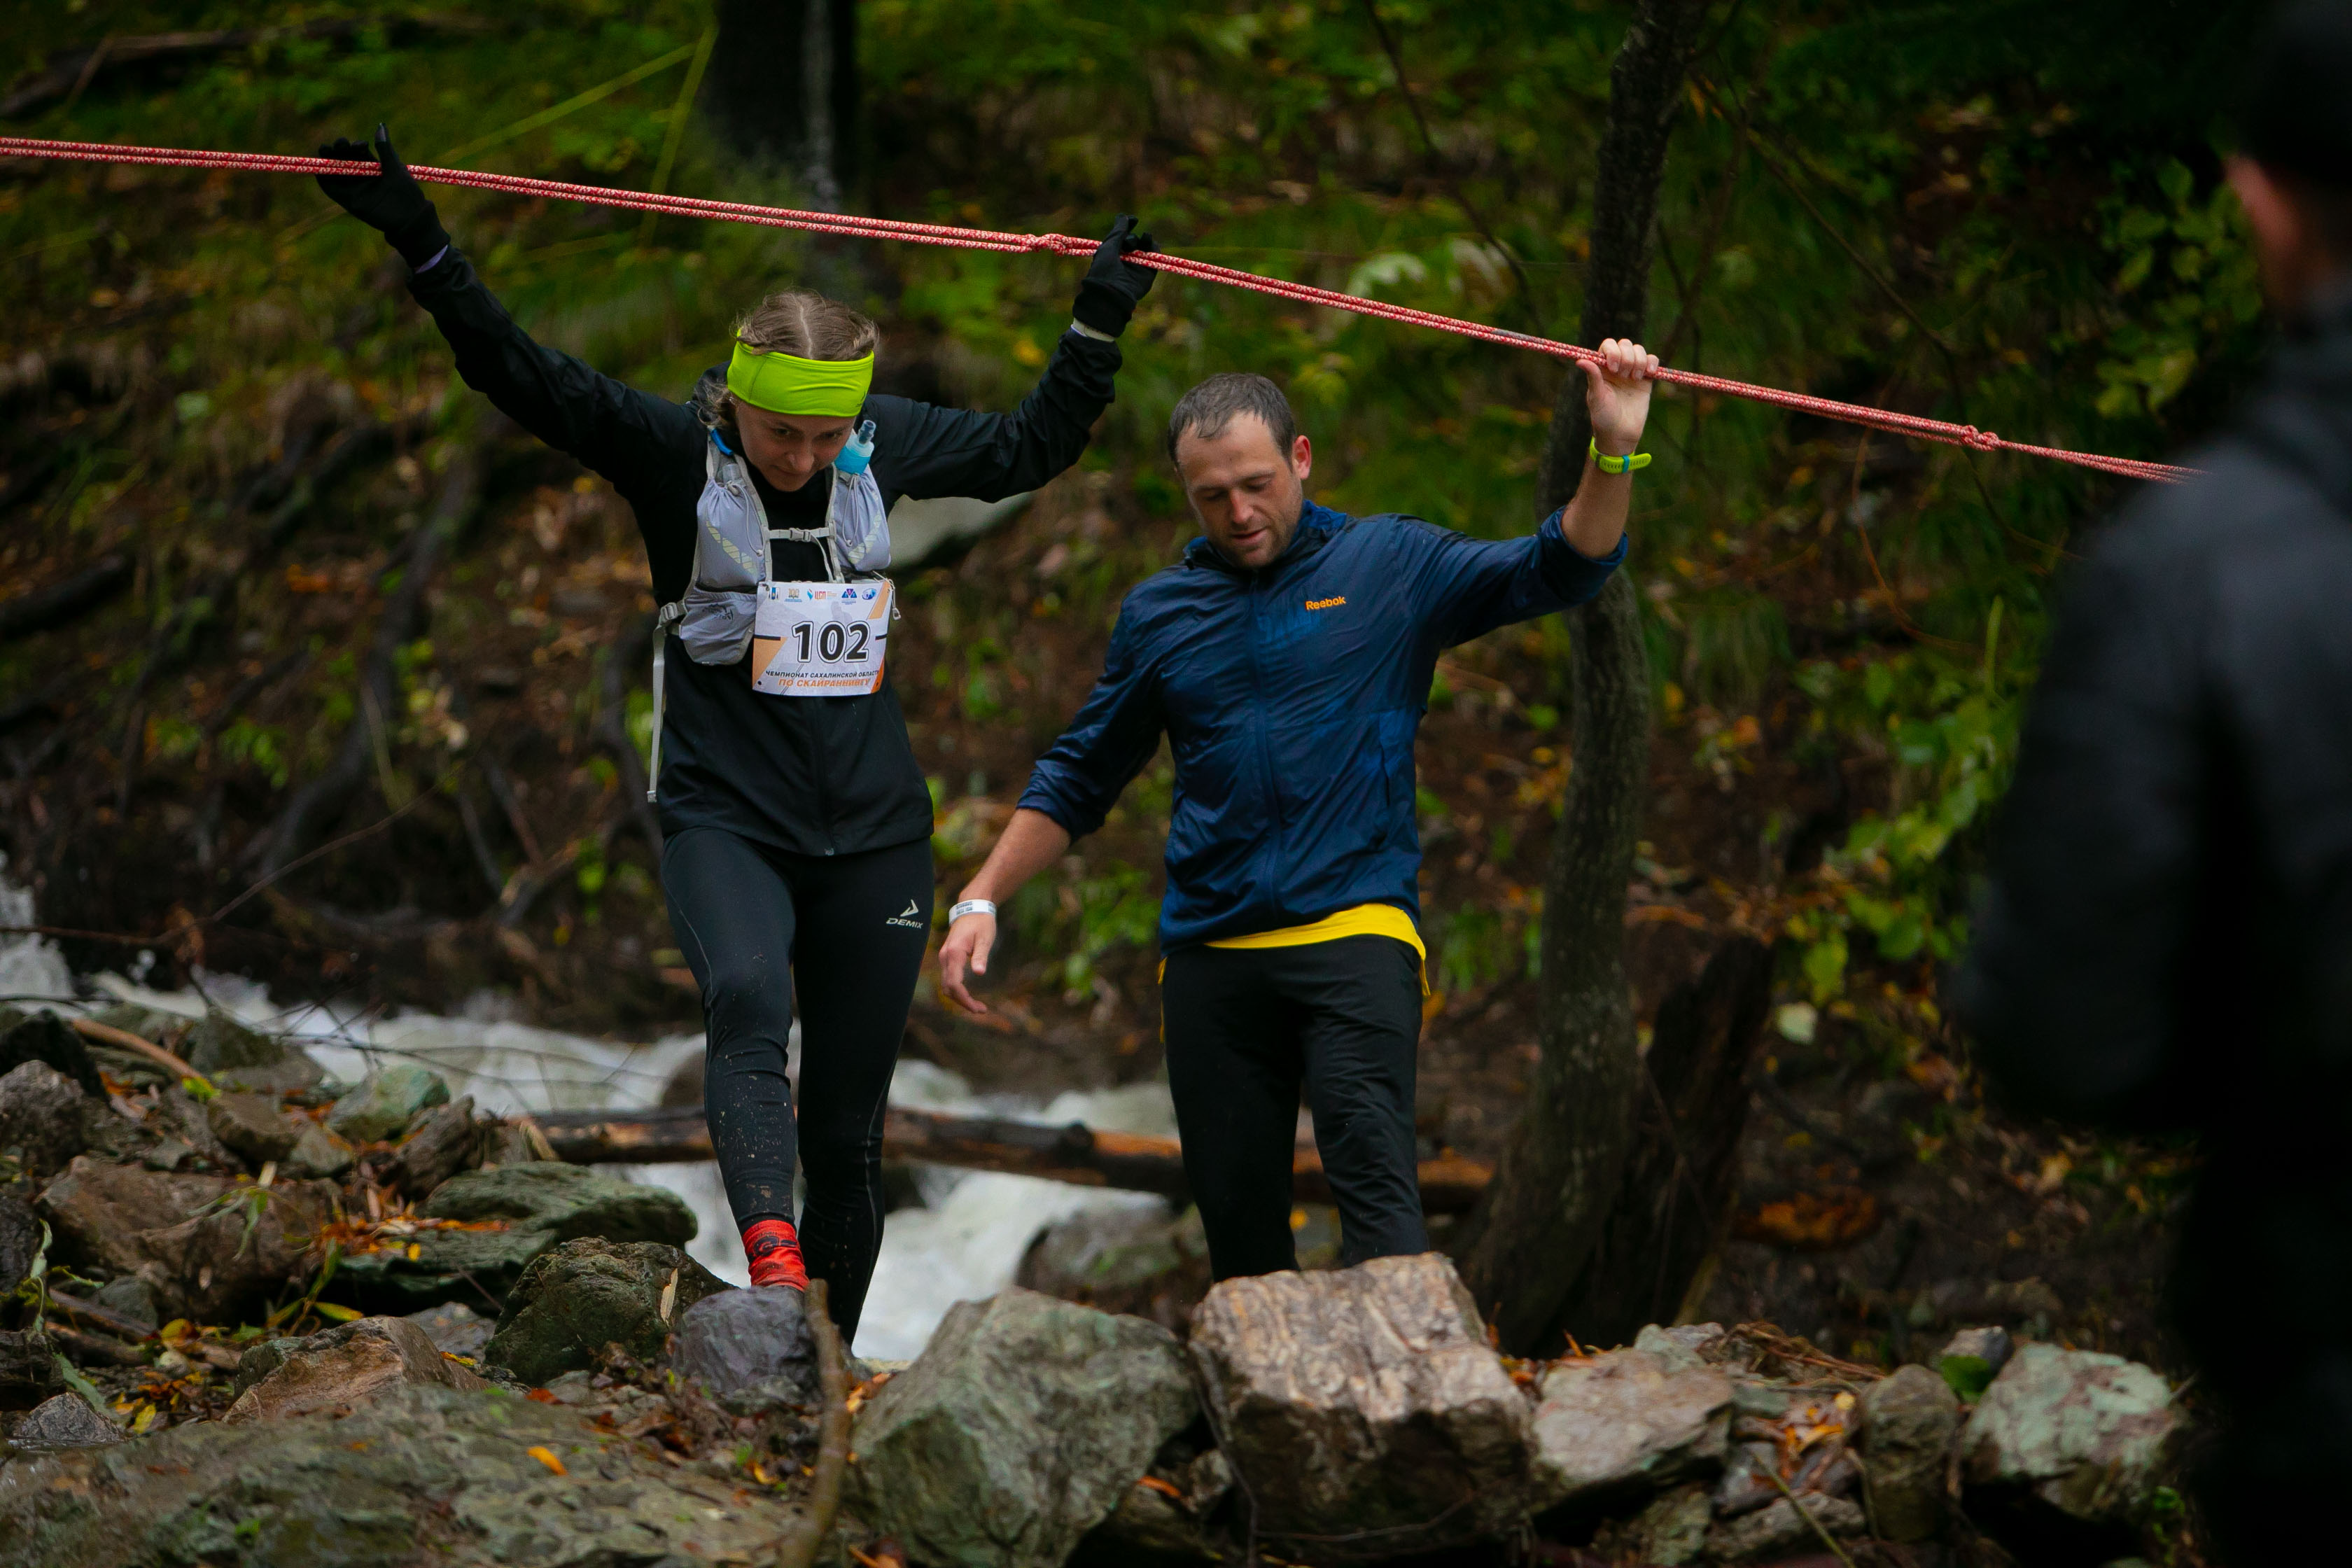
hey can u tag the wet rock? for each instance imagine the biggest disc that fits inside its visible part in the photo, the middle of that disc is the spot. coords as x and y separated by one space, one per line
1018 1430
183 1119
1150 1529
47 1038
131 1298
1364 1399
455 1328
1780 1527
1681 1349
207 1248
41 1116
28 1368
1112 1258
2078 1432
442 1143
317 1152
537 1207
515 1142
736 1341
1908 1419
63 1421
419 1473
1667 1533
20 1242
234 1057
346 1367
253 1126
1626 1421
386 1103
573 1302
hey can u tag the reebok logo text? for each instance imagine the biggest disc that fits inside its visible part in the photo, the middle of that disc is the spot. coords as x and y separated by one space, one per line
1326 603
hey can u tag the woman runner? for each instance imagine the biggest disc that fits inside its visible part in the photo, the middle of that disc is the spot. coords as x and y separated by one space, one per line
795 825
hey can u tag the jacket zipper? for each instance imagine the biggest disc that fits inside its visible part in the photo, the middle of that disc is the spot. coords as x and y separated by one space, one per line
1258 590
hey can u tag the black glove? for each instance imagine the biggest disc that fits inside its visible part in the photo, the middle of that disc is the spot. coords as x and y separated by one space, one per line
1114 285
387 199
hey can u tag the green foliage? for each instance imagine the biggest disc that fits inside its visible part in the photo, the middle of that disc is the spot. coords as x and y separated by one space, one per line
1084 919
1966 1375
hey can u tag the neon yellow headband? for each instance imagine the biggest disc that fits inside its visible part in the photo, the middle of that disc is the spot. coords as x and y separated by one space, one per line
787 384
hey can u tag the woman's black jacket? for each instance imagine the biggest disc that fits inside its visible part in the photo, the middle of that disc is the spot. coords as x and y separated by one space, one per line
810 775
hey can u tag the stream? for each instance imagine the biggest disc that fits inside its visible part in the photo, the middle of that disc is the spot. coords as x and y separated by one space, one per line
963 1243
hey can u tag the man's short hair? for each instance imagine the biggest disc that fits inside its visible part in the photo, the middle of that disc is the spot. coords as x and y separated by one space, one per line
1208 409
2294 110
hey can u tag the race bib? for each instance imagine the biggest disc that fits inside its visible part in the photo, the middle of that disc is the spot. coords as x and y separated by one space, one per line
820 639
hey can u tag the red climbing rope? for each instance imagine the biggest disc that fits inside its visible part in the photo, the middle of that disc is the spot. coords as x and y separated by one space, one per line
1912 424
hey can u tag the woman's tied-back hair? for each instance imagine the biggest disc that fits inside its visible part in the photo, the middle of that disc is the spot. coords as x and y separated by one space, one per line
798 321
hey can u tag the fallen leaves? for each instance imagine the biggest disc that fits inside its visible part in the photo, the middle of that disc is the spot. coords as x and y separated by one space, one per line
547 1456
1812 1222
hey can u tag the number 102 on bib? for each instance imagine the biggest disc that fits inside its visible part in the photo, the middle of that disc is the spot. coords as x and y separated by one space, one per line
820 639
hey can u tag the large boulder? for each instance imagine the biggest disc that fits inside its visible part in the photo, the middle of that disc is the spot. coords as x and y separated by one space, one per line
521 1211
343 1368
1626 1422
42 1116
2080 1434
1364 1400
386 1104
1018 1430
207 1247
47 1038
755 1342
65 1421
573 1302
421 1473
236 1057
1907 1422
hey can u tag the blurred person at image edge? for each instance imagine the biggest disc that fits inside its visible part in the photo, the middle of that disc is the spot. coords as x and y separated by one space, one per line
2165 944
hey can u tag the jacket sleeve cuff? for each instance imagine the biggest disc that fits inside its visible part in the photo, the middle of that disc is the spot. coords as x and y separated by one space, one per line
1556 526
1045 796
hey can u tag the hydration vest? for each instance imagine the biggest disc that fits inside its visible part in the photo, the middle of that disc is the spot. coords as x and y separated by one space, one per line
732 558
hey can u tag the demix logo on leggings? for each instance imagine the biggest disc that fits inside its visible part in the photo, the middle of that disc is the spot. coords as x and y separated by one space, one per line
906 917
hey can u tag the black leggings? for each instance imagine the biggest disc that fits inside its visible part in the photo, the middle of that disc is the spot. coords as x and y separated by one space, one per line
853 929
1246 1028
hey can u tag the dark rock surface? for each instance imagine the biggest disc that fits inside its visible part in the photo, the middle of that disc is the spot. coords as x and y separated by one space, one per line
340 1369
63 1421
1018 1429
48 1038
456 1329
42 1116
387 1103
236 1057
444 1142
20 1240
537 1207
1627 1420
573 1302
420 1474
28 1368
253 1125
1908 1419
734 1341
207 1248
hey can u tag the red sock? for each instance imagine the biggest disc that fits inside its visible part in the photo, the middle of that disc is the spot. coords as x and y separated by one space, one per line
774 1249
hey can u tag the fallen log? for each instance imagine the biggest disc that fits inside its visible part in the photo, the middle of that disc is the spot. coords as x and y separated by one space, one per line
1129 1162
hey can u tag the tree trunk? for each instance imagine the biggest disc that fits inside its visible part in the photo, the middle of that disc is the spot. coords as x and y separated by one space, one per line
1690 1107
1527 1246
782 89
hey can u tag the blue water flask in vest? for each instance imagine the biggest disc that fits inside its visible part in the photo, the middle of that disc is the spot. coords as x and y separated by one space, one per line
857 451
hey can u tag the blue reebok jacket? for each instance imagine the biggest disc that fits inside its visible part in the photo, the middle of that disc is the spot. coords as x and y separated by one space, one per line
1290 696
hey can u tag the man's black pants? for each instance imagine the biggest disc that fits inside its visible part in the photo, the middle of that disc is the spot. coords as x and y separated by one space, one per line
1246 1029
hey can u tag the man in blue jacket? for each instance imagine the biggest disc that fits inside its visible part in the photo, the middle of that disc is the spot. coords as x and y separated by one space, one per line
1289 659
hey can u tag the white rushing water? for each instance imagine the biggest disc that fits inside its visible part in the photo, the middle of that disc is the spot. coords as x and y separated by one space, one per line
963 1245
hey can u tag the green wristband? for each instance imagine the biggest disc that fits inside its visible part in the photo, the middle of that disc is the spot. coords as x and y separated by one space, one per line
1624 465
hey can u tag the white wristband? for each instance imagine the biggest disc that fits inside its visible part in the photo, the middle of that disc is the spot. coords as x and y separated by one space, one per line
971 906
1084 331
